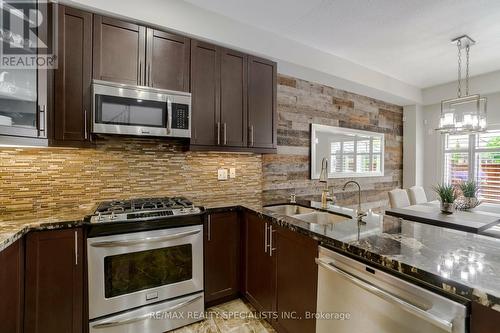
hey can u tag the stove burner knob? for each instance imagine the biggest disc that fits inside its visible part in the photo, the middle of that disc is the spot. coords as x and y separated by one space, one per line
113 216
193 208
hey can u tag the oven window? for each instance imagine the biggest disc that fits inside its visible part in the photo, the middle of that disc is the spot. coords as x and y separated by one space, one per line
131 272
130 111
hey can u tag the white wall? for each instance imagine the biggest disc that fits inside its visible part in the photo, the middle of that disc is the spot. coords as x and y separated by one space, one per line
432 140
413 167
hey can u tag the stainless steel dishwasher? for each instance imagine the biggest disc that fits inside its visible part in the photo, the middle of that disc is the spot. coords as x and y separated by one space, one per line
354 297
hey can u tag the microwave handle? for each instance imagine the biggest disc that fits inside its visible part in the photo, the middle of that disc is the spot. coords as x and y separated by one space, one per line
169 115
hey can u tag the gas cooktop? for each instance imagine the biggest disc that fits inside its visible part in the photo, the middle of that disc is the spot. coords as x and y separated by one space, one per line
143 209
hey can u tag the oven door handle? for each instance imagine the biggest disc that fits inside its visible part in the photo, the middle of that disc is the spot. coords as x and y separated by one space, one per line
146 316
147 240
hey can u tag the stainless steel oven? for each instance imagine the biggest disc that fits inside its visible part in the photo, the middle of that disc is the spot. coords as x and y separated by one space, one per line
140 270
137 110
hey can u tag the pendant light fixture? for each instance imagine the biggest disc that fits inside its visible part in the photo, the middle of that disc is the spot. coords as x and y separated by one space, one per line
466 113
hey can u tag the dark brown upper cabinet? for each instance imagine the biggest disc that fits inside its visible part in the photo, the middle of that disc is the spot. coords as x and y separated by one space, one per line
119 51
205 90
72 103
219 88
233 100
167 60
222 257
262 87
133 54
54 286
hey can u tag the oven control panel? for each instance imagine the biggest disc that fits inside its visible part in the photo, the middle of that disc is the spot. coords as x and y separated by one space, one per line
144 215
180 116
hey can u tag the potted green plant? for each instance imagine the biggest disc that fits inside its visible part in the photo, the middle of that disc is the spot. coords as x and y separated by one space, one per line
447 196
469 198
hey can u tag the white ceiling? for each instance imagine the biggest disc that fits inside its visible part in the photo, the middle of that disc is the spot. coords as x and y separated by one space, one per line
406 39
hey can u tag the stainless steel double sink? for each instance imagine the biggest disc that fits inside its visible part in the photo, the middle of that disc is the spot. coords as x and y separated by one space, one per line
308 215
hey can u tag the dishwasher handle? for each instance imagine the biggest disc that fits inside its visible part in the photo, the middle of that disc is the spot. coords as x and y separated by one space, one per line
421 313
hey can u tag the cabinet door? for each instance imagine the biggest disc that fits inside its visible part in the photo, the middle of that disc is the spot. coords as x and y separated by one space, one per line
12 287
261 103
23 87
234 66
222 257
484 319
296 291
54 281
73 76
205 90
168 57
119 51
260 269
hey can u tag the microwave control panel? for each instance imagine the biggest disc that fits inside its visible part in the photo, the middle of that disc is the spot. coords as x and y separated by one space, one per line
180 116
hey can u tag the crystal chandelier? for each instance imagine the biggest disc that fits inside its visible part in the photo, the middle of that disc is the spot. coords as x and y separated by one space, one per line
464 114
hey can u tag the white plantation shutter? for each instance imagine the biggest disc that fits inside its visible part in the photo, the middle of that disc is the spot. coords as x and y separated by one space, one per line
474 156
358 154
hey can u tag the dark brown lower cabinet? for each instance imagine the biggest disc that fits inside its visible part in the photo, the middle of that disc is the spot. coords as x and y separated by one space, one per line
296 280
54 281
281 274
12 288
222 257
260 281
484 319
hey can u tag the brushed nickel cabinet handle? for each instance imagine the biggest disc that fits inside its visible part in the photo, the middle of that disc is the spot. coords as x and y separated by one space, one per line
149 76
218 133
251 136
139 78
225 134
265 238
271 248
76 248
41 119
209 227
85 134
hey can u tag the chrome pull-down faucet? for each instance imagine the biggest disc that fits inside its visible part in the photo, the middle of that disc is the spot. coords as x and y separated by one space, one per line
360 213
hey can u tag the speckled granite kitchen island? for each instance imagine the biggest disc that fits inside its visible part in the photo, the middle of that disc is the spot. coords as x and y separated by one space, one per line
458 263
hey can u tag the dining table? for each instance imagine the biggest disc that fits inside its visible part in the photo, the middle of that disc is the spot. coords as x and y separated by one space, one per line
482 219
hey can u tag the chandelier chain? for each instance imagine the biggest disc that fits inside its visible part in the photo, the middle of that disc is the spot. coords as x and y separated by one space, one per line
459 46
467 50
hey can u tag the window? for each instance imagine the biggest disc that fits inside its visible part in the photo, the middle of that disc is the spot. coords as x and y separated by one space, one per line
474 156
349 152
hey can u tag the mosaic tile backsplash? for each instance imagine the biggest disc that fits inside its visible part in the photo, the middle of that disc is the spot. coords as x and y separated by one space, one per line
118 167
38 179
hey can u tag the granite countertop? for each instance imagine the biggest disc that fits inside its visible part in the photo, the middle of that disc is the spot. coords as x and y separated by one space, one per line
14 225
459 263
463 264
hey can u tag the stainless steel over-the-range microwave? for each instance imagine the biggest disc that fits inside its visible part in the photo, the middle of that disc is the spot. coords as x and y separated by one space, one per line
137 110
